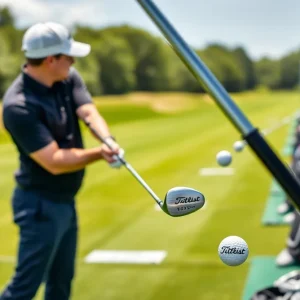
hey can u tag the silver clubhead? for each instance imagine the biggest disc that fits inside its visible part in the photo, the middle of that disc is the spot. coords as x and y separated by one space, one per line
181 201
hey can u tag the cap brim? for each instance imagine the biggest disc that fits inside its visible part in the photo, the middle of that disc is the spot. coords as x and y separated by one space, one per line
78 49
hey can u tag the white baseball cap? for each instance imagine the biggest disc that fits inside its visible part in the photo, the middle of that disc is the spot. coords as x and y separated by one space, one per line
46 39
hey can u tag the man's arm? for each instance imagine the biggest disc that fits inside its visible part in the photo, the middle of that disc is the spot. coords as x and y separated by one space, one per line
35 139
89 114
59 161
86 109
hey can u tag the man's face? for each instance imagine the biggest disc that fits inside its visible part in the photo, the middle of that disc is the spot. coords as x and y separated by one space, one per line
60 66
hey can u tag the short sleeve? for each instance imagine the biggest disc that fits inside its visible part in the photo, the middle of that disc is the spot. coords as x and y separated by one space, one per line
80 93
26 129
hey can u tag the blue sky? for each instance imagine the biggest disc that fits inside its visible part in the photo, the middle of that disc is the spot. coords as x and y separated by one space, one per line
262 27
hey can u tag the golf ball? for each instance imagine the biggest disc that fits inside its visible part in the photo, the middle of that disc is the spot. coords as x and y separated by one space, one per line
224 158
233 251
238 146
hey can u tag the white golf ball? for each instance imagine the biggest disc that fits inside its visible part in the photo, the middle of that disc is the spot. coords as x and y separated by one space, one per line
224 158
233 251
238 146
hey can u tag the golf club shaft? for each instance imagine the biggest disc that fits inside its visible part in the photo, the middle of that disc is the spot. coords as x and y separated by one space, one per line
128 167
213 87
142 182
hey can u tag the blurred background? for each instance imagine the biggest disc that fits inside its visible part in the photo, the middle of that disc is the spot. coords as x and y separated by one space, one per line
171 131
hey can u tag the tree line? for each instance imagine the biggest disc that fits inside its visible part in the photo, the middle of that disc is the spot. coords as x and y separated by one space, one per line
126 59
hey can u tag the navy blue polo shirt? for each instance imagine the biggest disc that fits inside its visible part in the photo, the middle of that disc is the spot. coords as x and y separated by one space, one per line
35 115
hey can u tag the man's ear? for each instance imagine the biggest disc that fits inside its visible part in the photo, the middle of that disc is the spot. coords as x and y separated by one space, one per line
49 60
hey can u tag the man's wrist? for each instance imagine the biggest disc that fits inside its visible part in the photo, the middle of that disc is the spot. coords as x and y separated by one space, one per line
110 138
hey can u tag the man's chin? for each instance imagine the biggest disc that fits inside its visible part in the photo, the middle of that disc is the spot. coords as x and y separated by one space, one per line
64 77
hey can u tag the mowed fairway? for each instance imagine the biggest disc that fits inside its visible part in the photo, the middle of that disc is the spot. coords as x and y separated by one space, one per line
168 139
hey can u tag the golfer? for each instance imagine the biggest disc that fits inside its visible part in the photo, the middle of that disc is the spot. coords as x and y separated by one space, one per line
41 110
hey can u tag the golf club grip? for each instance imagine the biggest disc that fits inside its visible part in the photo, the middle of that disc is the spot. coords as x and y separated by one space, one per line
102 139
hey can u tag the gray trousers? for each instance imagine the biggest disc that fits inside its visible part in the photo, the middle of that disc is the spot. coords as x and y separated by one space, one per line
293 242
47 246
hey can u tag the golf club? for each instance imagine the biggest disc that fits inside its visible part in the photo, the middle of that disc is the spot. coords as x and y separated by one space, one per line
179 201
214 88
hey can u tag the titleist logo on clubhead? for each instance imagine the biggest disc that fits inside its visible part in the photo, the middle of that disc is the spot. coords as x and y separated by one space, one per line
231 250
180 200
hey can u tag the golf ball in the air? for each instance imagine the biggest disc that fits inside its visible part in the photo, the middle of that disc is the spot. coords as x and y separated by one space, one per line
238 146
233 251
224 158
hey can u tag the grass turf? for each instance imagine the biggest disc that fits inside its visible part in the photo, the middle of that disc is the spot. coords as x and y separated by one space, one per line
167 147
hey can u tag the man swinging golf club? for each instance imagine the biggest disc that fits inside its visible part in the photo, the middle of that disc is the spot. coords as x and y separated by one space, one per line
41 110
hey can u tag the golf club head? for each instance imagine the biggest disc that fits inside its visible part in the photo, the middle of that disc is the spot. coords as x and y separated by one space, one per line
181 201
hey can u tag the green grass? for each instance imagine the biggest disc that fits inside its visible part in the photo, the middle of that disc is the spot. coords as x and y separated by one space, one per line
167 148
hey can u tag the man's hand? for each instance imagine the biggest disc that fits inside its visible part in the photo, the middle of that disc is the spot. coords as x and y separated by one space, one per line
111 155
117 163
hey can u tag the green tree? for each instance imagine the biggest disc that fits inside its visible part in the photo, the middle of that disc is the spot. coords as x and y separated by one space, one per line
113 58
13 38
9 65
224 65
117 64
180 78
289 70
151 58
246 66
268 73
90 69
6 17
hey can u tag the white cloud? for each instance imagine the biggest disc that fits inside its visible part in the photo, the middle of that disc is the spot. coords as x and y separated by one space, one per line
261 27
89 14
28 12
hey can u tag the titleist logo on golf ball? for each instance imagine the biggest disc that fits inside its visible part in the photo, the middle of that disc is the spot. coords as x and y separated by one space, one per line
232 250
180 200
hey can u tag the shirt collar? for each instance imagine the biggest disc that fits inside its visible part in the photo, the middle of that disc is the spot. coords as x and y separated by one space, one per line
35 85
